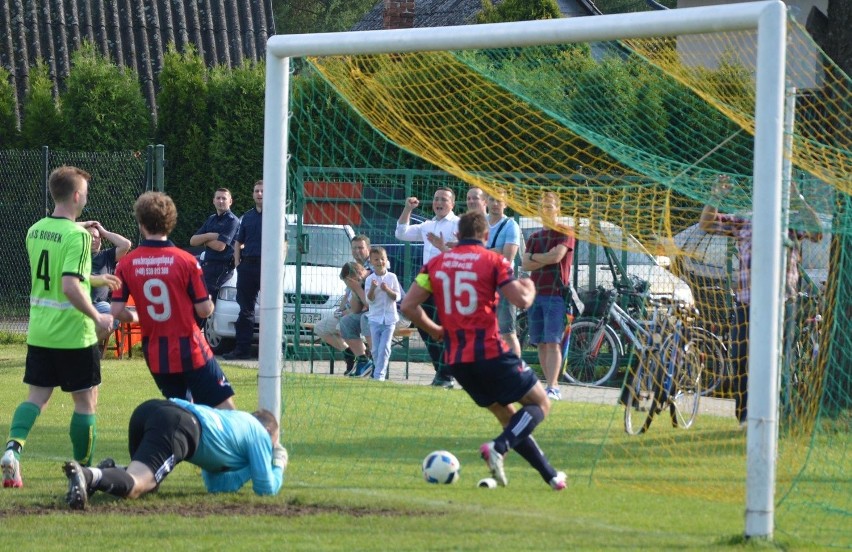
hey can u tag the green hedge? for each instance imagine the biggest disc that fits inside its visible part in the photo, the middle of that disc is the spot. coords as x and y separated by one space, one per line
8 123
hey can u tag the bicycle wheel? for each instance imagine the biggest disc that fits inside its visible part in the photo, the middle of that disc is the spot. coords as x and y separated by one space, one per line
717 366
592 356
686 359
638 398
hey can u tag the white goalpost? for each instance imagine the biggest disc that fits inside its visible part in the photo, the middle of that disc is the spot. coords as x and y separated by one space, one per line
767 18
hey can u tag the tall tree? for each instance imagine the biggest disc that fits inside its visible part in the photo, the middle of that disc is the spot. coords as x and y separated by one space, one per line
518 10
318 16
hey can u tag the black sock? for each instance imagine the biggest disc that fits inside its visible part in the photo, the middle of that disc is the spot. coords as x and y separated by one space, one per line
114 481
529 451
348 354
520 426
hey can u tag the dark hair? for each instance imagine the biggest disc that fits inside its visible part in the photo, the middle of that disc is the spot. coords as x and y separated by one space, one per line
378 249
349 269
66 180
156 212
361 237
472 225
267 420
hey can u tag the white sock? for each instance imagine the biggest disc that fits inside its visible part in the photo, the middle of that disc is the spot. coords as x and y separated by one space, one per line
96 476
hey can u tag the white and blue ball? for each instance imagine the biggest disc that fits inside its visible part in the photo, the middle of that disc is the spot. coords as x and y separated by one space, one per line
441 467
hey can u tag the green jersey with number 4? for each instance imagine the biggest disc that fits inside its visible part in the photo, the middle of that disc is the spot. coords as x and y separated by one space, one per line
58 247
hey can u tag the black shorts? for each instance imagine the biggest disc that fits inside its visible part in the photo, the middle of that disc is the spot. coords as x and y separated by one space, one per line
503 380
206 385
161 435
69 369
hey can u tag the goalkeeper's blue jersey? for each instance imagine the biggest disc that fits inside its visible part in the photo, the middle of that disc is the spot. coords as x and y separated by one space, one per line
234 448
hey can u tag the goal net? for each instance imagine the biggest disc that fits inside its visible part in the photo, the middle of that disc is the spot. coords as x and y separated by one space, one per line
633 134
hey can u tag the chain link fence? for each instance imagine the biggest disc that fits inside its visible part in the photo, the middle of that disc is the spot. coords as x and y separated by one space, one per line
118 178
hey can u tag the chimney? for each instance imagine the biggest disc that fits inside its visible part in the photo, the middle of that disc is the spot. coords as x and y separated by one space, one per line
399 14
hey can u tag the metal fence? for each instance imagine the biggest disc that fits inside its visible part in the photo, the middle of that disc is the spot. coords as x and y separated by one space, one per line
117 180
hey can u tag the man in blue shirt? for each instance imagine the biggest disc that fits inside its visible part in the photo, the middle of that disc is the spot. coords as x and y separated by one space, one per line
247 247
217 236
230 446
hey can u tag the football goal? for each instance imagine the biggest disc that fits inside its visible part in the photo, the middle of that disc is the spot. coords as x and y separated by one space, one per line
633 120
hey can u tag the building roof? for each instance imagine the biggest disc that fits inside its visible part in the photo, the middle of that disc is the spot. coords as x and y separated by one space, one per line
447 13
223 32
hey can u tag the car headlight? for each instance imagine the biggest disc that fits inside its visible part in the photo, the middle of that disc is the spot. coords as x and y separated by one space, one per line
227 294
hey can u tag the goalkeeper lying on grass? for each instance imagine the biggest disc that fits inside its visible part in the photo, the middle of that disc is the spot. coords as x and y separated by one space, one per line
231 447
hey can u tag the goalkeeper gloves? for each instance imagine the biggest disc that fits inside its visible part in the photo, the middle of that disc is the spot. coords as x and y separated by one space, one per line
279 456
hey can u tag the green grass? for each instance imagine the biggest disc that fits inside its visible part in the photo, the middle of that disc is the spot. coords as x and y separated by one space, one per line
354 484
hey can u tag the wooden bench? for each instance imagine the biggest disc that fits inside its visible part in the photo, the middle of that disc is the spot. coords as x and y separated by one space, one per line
401 338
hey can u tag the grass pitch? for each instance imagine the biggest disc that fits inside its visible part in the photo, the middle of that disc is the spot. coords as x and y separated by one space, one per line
358 487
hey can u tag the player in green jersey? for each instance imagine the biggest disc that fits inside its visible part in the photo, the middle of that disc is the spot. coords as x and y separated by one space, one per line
64 325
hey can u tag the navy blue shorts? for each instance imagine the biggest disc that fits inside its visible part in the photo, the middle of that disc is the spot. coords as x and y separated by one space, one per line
161 435
504 380
69 369
206 385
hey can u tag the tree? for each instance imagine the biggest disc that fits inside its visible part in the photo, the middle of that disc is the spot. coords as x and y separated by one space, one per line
103 106
518 10
318 16
8 123
42 120
184 129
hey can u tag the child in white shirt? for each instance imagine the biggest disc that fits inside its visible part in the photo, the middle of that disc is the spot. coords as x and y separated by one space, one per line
382 289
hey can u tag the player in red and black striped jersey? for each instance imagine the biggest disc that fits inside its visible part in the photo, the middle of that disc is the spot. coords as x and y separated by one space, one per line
464 283
167 286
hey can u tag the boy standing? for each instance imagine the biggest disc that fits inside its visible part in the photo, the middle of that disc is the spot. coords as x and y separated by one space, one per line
383 290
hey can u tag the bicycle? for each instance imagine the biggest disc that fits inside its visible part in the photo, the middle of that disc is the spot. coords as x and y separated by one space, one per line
801 354
669 371
714 300
589 364
671 356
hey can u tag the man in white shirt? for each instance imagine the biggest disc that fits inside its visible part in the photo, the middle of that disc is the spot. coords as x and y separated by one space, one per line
435 235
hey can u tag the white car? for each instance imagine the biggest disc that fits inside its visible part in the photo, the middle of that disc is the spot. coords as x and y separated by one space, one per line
630 253
320 250
713 256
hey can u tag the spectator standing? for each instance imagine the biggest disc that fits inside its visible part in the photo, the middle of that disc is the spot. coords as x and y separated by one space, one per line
216 235
62 334
330 330
464 282
740 229
382 290
435 235
477 201
548 257
168 288
247 250
231 448
504 237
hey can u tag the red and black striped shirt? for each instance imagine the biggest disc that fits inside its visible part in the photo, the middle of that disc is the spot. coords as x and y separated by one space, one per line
464 283
165 283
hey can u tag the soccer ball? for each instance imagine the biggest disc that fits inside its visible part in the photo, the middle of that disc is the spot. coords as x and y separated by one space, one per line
441 467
